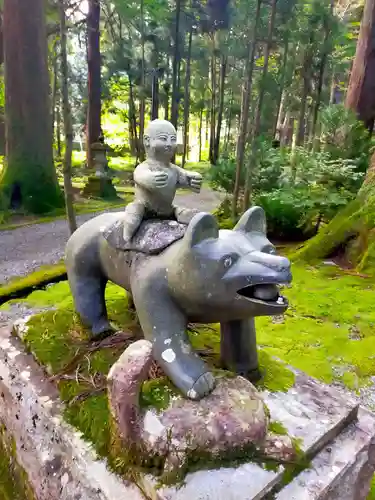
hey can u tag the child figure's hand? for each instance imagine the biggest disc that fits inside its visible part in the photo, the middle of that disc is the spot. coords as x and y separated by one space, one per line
195 181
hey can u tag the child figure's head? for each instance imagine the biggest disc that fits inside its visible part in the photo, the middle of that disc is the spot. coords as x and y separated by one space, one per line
160 140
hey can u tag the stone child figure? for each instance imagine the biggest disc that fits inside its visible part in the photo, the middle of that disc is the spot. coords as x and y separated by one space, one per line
157 179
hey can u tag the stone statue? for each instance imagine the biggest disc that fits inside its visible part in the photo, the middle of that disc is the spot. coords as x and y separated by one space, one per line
178 274
157 179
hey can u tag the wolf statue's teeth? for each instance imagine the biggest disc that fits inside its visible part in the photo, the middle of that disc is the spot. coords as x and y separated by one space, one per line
280 300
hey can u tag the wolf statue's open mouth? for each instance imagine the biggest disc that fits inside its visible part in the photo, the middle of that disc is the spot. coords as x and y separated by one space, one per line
263 293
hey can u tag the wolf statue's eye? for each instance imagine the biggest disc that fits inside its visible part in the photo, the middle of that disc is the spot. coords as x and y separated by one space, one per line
228 262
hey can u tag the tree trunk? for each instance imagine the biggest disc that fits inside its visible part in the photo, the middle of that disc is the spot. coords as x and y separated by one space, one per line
300 137
54 92
258 114
29 179
361 91
187 97
155 95
167 88
322 69
223 71
282 93
142 100
245 104
2 117
94 107
229 123
176 67
133 119
213 104
68 126
58 126
200 134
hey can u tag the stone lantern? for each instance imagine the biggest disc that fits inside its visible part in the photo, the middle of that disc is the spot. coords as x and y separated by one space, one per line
99 185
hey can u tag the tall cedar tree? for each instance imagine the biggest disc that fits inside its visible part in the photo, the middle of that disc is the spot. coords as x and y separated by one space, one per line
94 108
68 125
29 179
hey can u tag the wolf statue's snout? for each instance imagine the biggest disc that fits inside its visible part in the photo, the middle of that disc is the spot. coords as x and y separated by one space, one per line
276 262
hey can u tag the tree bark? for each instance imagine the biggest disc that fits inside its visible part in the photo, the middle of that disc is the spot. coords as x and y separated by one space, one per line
361 90
166 101
94 108
133 119
258 114
54 93
29 180
187 97
58 126
155 95
223 71
142 100
301 130
200 133
176 67
245 104
68 126
213 104
322 69
282 93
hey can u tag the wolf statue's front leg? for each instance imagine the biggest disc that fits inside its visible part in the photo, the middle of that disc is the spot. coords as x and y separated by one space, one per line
239 348
164 325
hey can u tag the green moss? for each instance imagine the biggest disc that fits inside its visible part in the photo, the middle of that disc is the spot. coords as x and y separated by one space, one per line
275 376
371 495
43 275
14 483
277 428
157 393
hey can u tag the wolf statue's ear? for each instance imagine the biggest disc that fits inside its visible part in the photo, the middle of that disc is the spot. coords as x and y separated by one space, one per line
201 227
253 219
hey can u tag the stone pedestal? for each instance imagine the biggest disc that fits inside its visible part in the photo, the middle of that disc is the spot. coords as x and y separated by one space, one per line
337 437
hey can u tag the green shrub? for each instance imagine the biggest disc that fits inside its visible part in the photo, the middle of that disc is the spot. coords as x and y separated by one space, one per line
223 174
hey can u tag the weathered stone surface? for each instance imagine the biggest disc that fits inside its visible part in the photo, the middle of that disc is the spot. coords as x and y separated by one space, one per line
246 482
152 237
343 470
311 412
59 464
231 418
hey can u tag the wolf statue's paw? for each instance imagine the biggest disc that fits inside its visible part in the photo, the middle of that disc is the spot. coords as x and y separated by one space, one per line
101 330
202 387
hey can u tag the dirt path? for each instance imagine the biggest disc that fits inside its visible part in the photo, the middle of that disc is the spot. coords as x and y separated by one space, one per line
25 249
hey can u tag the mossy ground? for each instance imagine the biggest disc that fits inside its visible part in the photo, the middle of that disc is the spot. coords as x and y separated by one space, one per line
44 274
328 332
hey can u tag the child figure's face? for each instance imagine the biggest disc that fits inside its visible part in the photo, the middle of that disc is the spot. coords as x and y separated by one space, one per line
160 141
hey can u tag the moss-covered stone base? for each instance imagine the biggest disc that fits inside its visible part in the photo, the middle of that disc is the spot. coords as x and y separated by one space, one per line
327 332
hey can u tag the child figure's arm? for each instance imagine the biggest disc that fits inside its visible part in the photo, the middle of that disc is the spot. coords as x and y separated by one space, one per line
149 179
189 179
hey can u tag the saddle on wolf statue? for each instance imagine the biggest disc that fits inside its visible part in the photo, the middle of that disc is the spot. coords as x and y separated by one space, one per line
152 237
